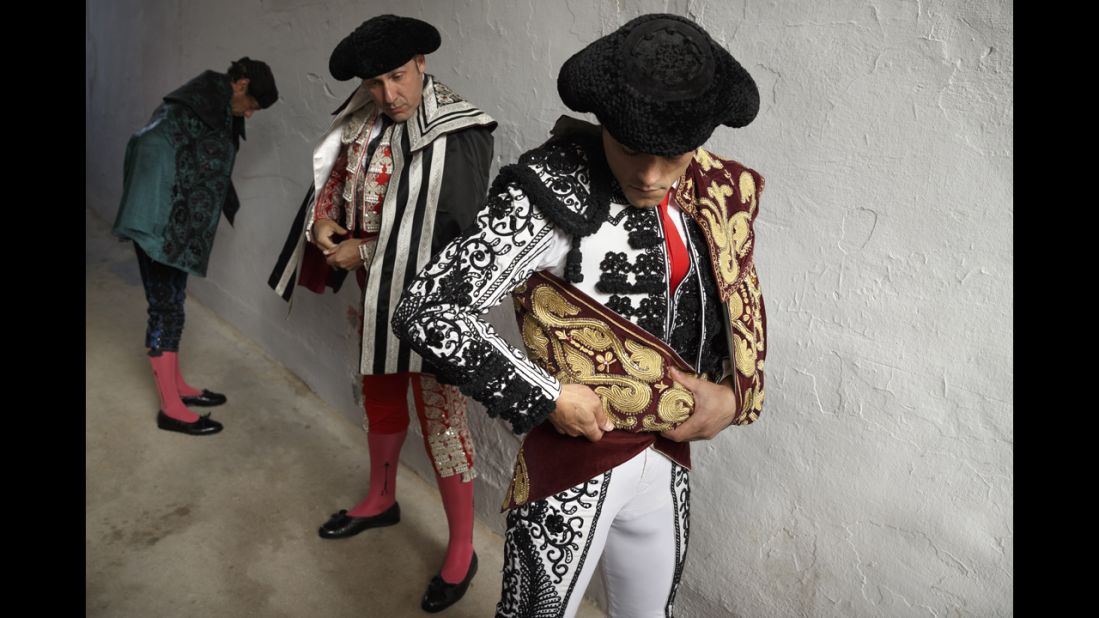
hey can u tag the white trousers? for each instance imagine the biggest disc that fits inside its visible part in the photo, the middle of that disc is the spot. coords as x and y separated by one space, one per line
635 516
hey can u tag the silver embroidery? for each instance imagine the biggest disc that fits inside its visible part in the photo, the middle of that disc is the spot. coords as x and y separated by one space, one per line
446 430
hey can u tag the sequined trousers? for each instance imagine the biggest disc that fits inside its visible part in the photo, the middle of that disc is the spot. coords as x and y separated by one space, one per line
635 517
165 290
387 400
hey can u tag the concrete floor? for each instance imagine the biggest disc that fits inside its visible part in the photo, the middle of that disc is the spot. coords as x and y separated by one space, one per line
226 525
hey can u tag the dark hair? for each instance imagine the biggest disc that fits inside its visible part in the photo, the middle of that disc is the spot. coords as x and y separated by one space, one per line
261 82
237 69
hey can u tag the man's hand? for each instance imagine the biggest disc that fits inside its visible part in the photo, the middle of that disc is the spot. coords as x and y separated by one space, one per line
579 412
345 255
323 231
715 407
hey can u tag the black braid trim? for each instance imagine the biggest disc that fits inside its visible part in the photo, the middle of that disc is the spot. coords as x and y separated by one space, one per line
493 383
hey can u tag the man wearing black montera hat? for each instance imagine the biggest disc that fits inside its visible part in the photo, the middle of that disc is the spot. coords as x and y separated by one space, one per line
401 172
627 250
176 184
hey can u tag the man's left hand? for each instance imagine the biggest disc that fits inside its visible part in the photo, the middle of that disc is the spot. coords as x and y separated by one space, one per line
715 407
345 255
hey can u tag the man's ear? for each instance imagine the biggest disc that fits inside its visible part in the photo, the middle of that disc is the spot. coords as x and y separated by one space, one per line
241 85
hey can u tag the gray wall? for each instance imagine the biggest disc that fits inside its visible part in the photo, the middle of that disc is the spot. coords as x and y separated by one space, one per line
879 478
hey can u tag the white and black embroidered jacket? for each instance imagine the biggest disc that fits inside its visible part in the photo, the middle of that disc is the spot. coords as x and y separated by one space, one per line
558 209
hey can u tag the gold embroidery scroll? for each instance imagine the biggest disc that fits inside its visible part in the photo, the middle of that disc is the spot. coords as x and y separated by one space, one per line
580 341
722 197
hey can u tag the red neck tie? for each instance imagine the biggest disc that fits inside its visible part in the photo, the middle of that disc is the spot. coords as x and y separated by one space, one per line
678 260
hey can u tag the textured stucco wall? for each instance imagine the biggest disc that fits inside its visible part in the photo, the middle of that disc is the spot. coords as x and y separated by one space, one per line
879 479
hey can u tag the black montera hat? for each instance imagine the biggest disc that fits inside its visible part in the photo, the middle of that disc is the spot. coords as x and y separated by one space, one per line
381 44
659 84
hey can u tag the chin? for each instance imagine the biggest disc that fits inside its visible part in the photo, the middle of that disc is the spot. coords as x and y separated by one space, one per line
643 202
401 117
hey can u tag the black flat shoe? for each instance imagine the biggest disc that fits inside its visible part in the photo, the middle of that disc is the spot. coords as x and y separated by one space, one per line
206 399
204 426
441 595
341 525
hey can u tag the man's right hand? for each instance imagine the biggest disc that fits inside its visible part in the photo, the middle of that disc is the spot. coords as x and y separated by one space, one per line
324 230
579 412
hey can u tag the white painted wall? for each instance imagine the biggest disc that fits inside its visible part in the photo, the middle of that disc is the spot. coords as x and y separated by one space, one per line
878 481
